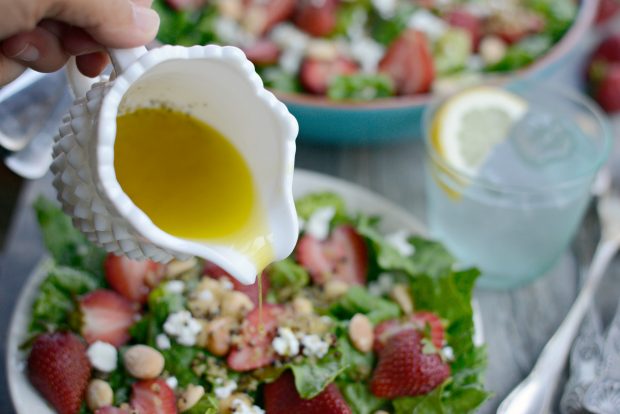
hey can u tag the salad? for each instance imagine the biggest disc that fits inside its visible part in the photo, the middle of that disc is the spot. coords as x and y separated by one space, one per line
352 323
367 49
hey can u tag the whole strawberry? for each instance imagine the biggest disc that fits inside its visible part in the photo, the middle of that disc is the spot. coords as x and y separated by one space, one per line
281 397
405 369
59 369
608 91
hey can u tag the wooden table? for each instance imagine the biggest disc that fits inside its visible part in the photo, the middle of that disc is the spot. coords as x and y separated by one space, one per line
516 323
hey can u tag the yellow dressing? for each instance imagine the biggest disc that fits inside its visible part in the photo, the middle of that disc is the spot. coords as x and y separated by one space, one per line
190 181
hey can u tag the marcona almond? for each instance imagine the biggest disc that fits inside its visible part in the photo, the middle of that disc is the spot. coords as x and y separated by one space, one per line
99 394
143 362
335 288
400 294
302 306
361 332
190 397
236 304
219 335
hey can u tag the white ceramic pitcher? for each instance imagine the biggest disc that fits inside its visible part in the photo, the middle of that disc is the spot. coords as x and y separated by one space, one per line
215 84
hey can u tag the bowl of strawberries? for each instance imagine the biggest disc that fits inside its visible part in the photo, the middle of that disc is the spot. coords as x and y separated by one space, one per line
361 71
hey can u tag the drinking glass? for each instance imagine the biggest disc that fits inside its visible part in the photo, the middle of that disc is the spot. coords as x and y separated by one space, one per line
517 214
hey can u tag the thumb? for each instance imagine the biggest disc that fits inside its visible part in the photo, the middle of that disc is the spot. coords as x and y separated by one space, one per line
113 23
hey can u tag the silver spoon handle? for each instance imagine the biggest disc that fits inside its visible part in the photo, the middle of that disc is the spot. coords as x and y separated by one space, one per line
534 394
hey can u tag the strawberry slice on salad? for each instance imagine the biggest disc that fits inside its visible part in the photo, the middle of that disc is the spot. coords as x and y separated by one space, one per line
59 369
469 22
281 397
424 322
112 410
107 317
263 52
317 18
257 332
343 256
262 15
132 278
153 397
315 75
409 63
405 368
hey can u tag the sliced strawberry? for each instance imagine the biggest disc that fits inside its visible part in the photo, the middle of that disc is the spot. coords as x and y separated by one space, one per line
262 15
216 272
153 397
608 50
343 256
428 320
132 278
409 63
281 397
107 317
608 91
112 410
257 332
467 21
186 5
59 369
318 18
315 75
264 52
405 370
384 331
606 10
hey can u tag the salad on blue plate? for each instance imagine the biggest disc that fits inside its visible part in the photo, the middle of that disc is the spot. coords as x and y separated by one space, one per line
353 322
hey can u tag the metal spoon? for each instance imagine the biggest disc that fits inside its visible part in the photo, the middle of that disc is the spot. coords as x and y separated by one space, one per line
534 394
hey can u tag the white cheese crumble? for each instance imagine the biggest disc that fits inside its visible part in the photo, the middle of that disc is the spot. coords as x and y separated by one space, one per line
172 382
314 346
426 22
367 52
448 353
382 286
240 406
224 391
318 223
230 32
183 327
286 343
162 341
289 37
399 241
226 284
386 8
175 286
290 60
102 356
206 295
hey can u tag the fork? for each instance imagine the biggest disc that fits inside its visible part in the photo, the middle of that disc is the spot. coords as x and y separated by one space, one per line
534 394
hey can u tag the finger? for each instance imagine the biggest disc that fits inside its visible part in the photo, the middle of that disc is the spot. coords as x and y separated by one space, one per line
39 49
77 42
143 3
92 64
9 70
113 23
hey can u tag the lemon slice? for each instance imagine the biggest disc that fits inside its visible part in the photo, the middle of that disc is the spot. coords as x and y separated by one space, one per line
469 124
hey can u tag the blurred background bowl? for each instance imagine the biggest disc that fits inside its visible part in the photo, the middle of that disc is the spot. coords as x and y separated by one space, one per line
323 121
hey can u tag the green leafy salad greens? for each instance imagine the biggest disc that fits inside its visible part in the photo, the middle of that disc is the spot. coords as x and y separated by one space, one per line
429 275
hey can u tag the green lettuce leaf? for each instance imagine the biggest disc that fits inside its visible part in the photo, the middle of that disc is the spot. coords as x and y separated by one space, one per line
358 300
360 399
162 303
312 377
65 243
451 51
120 381
55 303
358 364
559 15
187 28
286 279
207 405
523 53
430 403
360 87
307 205
179 362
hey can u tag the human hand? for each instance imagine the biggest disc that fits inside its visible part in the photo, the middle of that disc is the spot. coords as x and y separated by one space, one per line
43 34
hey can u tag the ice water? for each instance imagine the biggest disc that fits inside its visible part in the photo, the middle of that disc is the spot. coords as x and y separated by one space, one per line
515 218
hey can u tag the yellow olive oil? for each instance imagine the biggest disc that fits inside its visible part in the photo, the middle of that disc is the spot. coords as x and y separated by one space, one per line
190 181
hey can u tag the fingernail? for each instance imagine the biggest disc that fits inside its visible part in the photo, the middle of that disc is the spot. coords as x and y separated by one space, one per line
28 54
145 19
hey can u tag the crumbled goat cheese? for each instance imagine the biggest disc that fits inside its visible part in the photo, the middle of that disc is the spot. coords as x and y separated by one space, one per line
162 341
314 346
367 52
240 406
206 295
318 223
231 33
175 286
183 327
426 22
102 356
285 344
172 382
399 241
224 391
386 8
448 353
289 37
